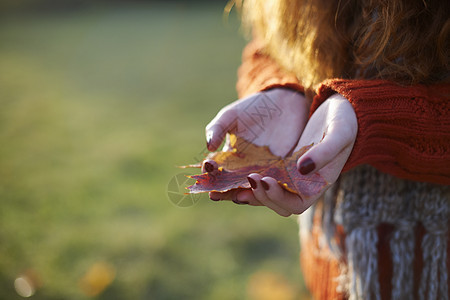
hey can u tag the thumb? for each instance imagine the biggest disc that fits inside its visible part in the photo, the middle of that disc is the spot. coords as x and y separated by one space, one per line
224 122
333 150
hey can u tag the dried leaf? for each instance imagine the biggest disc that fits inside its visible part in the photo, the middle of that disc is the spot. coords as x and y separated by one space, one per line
224 171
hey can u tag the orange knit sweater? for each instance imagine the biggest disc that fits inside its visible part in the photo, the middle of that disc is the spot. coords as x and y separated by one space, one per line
403 131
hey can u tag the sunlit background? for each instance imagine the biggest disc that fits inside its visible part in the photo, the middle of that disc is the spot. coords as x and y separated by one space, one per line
100 101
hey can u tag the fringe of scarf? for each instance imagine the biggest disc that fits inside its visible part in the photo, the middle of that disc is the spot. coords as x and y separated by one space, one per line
363 199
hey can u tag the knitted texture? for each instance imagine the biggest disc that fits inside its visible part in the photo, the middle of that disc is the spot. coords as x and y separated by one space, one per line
402 130
395 242
320 267
376 236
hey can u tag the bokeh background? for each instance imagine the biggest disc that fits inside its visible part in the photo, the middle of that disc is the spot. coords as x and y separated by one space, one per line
99 102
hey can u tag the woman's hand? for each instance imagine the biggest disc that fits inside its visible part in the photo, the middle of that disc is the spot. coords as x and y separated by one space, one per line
274 118
332 128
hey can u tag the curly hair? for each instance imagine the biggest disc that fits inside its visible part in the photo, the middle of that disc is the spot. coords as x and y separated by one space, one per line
406 41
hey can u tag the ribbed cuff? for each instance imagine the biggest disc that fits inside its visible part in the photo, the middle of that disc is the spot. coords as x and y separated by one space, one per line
402 130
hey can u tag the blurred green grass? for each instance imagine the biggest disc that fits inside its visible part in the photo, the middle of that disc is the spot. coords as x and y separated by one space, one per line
98 107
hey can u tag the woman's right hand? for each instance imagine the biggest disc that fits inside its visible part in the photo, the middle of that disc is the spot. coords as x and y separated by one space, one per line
274 118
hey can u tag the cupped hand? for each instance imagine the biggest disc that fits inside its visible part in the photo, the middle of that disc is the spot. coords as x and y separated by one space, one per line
274 118
332 128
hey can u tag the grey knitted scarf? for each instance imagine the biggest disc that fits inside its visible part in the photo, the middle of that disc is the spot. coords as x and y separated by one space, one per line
364 198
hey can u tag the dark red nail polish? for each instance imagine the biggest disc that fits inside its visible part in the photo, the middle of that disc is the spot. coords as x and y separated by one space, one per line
265 185
214 199
209 167
252 182
307 166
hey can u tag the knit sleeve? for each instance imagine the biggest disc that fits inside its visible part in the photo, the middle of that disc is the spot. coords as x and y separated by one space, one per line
259 72
402 130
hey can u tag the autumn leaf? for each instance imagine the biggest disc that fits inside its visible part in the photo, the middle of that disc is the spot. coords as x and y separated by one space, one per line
227 170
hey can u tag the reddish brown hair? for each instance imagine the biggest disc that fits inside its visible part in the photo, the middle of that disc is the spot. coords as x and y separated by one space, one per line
402 40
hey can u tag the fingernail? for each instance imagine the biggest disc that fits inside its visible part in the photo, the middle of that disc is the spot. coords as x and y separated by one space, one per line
209 167
252 182
307 166
265 185
208 139
214 199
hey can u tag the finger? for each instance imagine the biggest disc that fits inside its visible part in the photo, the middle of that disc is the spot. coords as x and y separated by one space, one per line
288 201
260 194
336 140
247 197
218 128
238 196
228 195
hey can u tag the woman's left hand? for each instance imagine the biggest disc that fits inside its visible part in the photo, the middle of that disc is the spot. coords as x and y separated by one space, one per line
332 128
